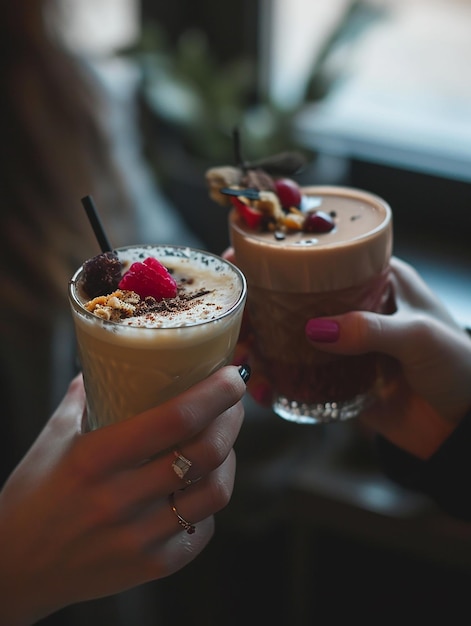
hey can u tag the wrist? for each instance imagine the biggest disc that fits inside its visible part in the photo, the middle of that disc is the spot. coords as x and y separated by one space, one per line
22 598
421 434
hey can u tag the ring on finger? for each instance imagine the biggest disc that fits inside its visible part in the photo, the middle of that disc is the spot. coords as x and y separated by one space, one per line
190 528
181 464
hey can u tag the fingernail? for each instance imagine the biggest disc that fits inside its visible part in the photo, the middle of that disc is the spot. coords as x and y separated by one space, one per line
322 330
245 372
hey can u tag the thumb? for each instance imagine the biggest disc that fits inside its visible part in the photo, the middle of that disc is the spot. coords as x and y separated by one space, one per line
69 414
359 332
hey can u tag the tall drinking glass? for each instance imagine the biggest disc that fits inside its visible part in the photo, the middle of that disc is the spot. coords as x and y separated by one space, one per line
138 362
300 276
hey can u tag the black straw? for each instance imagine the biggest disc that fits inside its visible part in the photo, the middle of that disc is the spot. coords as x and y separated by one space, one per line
96 224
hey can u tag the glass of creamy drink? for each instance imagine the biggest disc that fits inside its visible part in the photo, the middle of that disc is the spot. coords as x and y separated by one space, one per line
137 352
331 256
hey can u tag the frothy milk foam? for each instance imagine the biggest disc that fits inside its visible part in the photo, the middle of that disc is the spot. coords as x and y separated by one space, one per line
357 249
133 364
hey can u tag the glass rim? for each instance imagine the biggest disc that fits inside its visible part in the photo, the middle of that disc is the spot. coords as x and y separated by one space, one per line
327 190
78 304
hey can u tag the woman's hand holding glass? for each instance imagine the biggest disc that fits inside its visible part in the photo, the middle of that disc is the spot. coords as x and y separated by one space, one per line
431 391
87 515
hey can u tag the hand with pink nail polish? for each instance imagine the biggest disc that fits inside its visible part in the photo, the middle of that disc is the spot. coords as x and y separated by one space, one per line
425 407
425 410
434 354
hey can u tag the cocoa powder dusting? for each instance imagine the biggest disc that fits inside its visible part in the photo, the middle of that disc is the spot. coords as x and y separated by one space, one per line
167 306
123 304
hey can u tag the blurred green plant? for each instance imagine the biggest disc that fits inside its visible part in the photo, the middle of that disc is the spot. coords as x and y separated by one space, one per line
194 100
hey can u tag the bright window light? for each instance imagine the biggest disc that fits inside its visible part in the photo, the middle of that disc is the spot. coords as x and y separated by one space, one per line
99 26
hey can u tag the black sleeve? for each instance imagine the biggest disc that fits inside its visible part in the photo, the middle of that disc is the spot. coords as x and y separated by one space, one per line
445 477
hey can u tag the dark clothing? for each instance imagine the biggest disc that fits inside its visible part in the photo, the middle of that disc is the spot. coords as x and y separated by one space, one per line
445 477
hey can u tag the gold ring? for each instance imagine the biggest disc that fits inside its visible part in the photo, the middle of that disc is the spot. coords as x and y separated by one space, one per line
190 528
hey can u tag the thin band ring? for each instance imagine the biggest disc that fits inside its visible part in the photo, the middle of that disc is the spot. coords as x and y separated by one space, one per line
190 528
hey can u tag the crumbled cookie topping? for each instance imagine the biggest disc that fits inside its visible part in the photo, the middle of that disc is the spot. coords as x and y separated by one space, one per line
122 304
115 306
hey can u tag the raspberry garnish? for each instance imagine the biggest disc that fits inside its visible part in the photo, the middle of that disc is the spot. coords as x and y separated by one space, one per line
251 216
149 278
